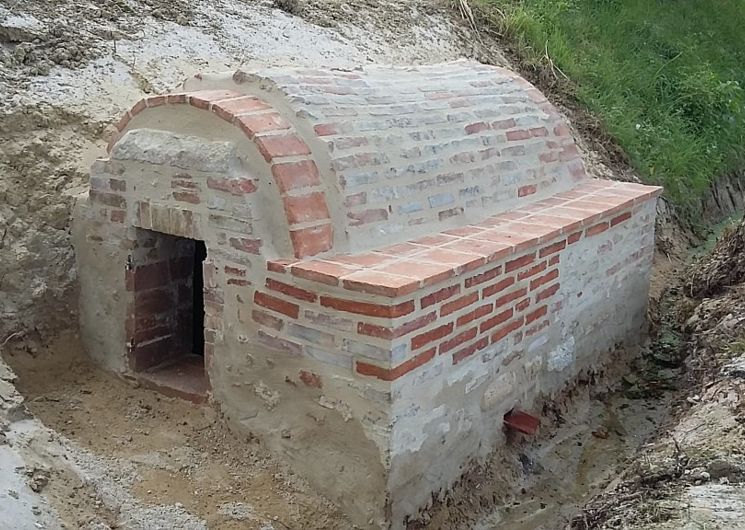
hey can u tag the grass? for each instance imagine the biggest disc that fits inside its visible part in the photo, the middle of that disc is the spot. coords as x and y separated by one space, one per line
664 77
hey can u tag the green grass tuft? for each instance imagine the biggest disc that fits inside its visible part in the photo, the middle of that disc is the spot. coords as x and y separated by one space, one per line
665 77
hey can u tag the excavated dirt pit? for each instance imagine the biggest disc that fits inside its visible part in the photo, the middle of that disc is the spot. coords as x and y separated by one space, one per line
166 452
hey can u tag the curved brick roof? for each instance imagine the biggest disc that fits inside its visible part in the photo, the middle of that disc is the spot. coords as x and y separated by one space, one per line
367 158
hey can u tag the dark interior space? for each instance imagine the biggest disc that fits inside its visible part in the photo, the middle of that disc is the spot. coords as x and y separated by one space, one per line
197 307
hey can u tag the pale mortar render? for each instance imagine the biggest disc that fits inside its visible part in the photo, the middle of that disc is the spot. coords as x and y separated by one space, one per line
366 268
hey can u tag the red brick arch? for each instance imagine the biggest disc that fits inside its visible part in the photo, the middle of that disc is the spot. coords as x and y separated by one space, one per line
297 179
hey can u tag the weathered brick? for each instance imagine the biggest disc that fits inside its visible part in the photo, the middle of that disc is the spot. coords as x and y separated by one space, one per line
187 196
431 336
109 199
326 320
280 344
276 304
524 191
310 379
311 335
367 216
520 134
251 246
234 186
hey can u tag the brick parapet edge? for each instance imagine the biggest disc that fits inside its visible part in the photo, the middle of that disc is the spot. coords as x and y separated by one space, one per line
288 155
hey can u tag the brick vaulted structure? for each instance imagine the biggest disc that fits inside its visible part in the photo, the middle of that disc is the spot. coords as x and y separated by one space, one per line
367 268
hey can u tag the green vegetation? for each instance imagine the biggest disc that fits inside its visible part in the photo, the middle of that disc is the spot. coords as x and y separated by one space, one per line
666 78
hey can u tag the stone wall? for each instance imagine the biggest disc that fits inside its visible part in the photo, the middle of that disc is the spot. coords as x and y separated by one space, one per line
395 259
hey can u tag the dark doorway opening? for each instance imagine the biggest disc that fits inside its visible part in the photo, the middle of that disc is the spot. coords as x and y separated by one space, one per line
197 341
166 327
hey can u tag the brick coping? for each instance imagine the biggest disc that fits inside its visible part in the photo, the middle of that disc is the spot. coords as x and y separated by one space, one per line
400 269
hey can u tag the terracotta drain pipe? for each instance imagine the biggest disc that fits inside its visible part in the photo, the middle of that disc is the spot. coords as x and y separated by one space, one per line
520 421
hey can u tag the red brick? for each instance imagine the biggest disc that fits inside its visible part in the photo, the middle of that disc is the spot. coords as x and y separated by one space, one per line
234 186
501 285
554 260
439 296
535 315
524 191
504 124
228 109
267 320
235 271
553 248
475 128
431 336
618 219
522 305
367 216
547 293
470 350
574 237
505 330
509 297
366 308
532 271
278 146
311 241
277 266
459 339
310 379
291 290
536 328
325 129
118 216
186 196
253 124
460 303
477 313
295 175
276 304
389 374
496 320
518 263
520 134
373 330
306 208
548 277
238 282
484 276
251 246
597 229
